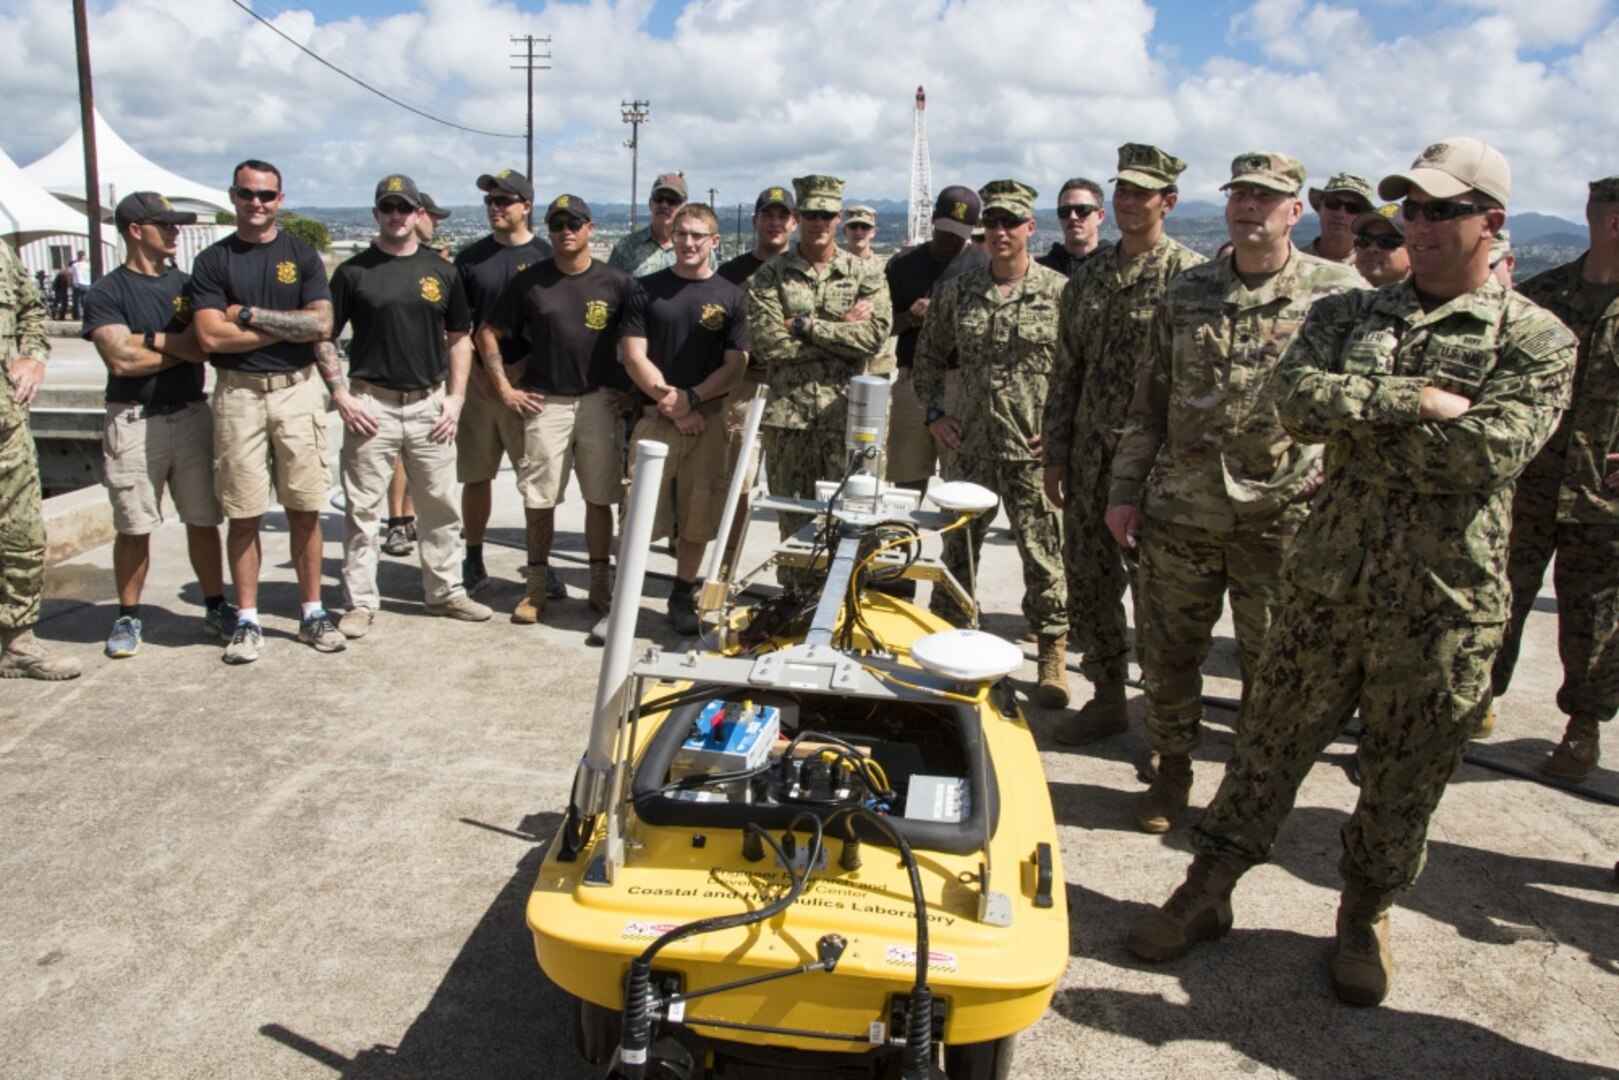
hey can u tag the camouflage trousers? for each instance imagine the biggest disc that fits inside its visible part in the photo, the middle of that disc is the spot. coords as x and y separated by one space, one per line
794 460
1586 578
1037 526
1184 575
1097 576
22 526
1420 686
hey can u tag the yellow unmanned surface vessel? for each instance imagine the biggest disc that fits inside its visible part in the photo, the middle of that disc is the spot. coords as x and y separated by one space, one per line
823 840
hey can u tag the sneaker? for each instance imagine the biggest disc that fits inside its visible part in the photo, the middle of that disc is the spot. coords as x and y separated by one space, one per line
318 632
398 541
221 622
461 606
125 639
355 622
553 585
244 643
473 576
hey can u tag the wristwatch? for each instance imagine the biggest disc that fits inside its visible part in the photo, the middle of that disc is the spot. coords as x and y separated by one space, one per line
693 399
149 339
933 413
801 326
244 315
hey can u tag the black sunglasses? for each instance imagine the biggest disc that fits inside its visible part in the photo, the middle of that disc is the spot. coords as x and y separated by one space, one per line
250 195
818 215
395 207
1079 210
1001 221
566 223
1353 205
858 225
669 199
501 201
1440 210
1386 241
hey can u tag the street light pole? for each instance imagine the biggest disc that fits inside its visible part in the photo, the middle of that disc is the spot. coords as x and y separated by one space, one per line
635 114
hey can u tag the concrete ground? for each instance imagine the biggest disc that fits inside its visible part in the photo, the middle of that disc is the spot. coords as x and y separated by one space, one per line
317 865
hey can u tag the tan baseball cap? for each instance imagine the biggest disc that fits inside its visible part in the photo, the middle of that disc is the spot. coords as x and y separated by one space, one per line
1278 172
1453 167
864 214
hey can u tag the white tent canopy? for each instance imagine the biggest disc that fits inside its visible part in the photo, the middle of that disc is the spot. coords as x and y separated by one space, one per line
120 169
29 212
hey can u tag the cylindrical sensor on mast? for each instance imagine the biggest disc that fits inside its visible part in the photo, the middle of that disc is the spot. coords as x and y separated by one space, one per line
868 415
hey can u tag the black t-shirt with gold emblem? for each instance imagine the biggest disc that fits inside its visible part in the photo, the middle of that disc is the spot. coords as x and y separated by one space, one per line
284 274
486 268
572 324
159 304
688 325
400 307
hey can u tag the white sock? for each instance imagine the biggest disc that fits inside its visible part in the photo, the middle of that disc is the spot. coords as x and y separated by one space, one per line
248 614
314 607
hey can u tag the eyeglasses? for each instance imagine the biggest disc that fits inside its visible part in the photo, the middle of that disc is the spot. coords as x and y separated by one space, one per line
858 225
1386 241
1244 192
817 215
1001 221
566 223
1079 210
691 237
250 195
1440 210
669 199
396 208
1354 206
502 201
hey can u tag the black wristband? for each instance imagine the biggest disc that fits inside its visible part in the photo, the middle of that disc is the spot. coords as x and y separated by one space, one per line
149 339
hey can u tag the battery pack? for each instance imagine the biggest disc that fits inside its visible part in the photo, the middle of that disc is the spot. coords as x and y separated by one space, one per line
727 737
937 798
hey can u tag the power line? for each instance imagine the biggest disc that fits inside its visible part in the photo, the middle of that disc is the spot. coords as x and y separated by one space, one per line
367 86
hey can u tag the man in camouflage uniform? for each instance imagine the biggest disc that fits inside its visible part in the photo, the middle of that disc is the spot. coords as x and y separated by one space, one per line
23 350
1204 460
1103 332
1431 395
815 314
1000 322
1337 205
1566 500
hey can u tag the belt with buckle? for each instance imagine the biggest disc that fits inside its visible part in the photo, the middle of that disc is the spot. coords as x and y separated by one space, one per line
396 397
138 411
265 381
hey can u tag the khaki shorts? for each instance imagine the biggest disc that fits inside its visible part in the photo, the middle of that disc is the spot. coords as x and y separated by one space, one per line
266 428
488 431
141 455
573 434
912 451
695 480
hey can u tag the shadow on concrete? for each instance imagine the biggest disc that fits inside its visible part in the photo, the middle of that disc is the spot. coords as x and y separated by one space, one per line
493 1014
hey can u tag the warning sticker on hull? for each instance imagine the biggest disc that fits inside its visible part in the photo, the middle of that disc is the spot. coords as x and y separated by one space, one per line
647 931
902 956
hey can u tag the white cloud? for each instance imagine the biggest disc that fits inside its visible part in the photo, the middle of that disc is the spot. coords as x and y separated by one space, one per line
751 92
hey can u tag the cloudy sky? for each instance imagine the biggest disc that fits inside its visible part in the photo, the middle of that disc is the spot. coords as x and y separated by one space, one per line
746 93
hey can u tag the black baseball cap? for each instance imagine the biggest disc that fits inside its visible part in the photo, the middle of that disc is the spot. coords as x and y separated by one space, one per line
956 210
509 181
150 207
568 204
775 196
397 186
431 208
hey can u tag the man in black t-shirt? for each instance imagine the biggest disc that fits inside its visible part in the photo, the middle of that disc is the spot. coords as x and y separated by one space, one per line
406 305
912 276
261 303
685 347
1080 213
488 429
569 308
159 431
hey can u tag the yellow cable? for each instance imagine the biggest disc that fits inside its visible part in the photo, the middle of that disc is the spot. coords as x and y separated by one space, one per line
854 578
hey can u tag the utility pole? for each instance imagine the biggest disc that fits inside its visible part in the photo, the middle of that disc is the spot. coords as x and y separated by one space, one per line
87 121
531 63
635 114
739 228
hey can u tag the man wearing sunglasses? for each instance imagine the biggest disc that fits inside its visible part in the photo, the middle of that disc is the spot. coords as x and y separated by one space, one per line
1567 500
1380 255
1102 341
815 314
1207 488
569 307
1080 215
999 323
1344 198
652 248
488 430
685 347
262 303
408 364
159 431
1431 395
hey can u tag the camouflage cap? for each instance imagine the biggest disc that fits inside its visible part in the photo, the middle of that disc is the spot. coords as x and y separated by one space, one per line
1605 190
1011 196
1453 167
1389 214
866 214
820 193
1278 172
1343 184
1148 167
568 204
774 196
1500 245
398 186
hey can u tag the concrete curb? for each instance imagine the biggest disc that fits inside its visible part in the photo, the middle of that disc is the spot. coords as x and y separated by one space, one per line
76 522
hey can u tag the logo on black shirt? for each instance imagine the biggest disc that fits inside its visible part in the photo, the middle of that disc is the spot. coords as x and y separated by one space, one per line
712 318
431 291
182 306
286 273
596 314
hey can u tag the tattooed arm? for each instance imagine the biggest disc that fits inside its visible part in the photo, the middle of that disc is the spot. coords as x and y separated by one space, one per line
222 332
357 416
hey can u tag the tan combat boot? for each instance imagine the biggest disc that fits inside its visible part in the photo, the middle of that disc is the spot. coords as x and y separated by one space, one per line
532 605
601 585
1200 910
1363 964
1103 715
1052 693
26 658
1167 796
1578 753
1486 723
